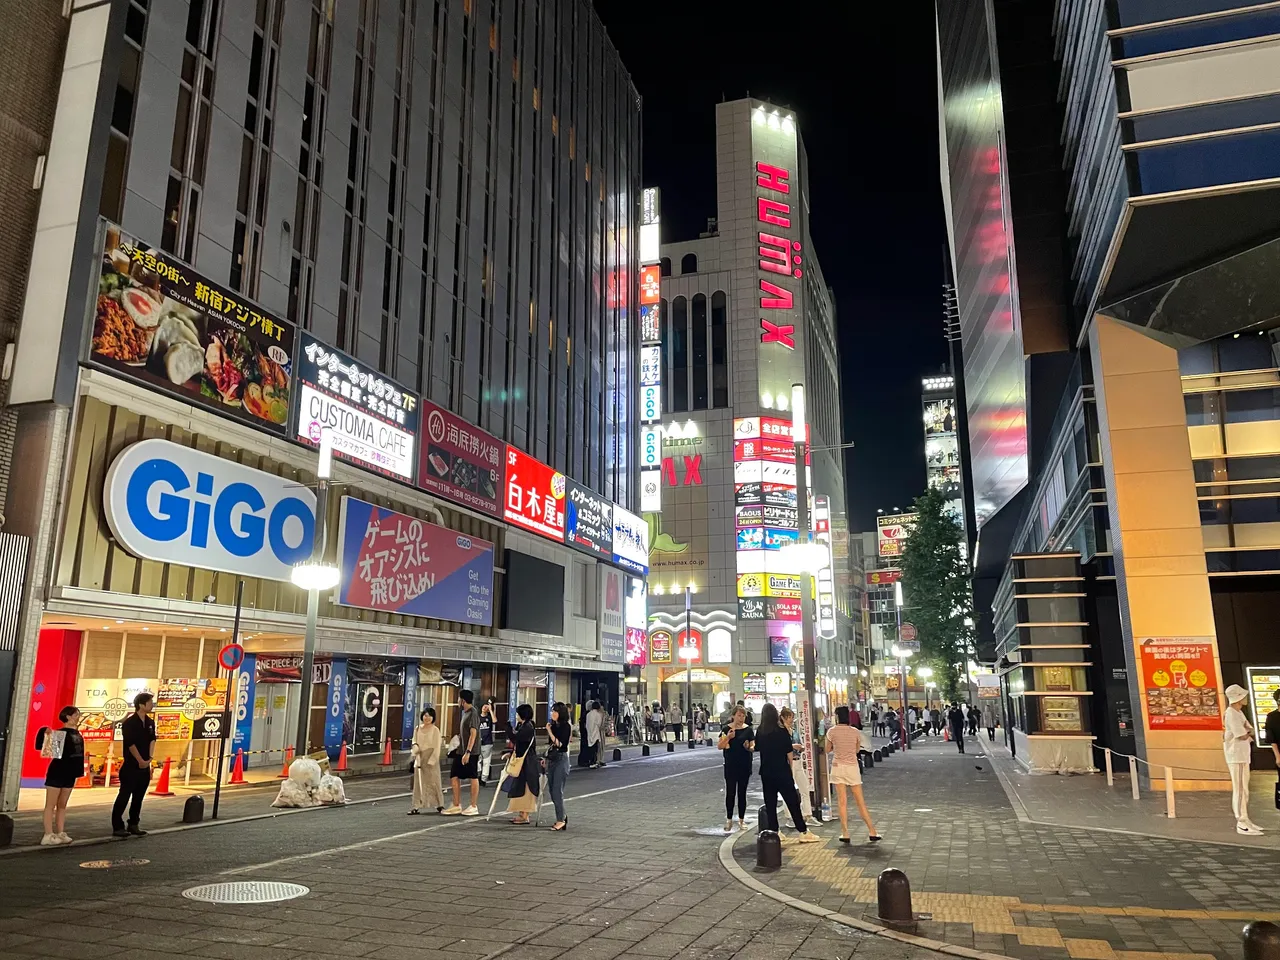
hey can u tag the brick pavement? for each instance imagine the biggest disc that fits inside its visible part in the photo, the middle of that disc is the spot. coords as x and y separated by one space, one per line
998 884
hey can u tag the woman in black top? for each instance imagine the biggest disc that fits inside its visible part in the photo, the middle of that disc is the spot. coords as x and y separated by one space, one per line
559 733
524 794
65 767
736 742
773 743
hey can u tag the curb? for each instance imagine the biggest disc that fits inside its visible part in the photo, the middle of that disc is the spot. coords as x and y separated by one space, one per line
925 943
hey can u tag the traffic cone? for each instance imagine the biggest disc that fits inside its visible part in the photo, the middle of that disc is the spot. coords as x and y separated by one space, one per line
87 779
342 759
237 770
288 759
162 788
386 754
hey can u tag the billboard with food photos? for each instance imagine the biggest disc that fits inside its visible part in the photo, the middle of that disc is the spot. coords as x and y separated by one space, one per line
460 462
159 322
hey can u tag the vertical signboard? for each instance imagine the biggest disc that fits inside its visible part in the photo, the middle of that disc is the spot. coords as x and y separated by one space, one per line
612 618
335 712
650 352
942 453
246 688
825 577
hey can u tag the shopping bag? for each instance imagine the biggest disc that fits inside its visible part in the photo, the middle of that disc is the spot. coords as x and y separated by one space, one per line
508 784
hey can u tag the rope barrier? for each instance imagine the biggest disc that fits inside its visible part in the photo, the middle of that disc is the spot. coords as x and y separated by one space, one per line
1170 802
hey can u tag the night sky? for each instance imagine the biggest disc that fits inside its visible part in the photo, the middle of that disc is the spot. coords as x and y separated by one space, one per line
865 100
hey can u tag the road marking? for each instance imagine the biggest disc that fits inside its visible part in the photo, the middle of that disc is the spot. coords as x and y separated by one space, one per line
460 822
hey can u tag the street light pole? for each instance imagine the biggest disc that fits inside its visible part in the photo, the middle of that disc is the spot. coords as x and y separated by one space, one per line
688 660
902 664
807 640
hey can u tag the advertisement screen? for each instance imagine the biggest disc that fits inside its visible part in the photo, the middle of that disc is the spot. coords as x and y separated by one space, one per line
535 495
533 594
1262 686
159 322
399 564
460 462
650 284
637 654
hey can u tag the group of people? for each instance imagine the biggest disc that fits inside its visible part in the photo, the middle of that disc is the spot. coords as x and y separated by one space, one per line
958 718
658 720
782 772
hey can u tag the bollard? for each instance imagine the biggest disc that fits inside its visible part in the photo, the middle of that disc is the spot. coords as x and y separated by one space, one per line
1106 757
671 746
762 819
1261 940
644 750
691 744
1133 775
893 900
6 830
617 754
868 758
193 809
768 850
1169 807
878 755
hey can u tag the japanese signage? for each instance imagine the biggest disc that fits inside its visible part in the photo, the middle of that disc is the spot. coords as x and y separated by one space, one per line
753 683
373 420
1180 684
611 620
399 564
1263 682
650 284
649 322
534 496
660 646
588 521
892 532
460 462
163 324
650 399
650 446
651 364
825 575
630 541
883 578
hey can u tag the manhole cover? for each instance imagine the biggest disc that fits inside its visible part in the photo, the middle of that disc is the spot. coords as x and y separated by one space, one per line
246 891
108 864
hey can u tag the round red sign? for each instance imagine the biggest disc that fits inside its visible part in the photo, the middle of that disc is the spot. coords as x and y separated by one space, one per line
231 656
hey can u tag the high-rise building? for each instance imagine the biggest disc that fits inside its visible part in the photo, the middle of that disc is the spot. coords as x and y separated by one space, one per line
1110 177
745 314
409 226
942 442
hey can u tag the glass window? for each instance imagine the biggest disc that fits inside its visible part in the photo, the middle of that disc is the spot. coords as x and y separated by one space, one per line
1251 405
664 266
699 352
689 263
679 354
719 352
1246 352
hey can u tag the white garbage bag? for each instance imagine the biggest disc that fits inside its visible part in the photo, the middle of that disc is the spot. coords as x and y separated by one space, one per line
294 794
305 772
331 789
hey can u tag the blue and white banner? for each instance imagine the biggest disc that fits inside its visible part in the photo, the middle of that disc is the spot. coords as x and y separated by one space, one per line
246 689
335 711
410 701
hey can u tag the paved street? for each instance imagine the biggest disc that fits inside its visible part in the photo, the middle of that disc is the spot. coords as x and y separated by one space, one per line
639 875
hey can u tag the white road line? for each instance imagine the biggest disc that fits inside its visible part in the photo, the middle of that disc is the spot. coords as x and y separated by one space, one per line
460 822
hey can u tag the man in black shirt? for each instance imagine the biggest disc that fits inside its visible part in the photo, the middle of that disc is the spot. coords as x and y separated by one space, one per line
138 733
1273 734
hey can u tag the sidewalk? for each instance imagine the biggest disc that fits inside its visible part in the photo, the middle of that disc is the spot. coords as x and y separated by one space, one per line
996 883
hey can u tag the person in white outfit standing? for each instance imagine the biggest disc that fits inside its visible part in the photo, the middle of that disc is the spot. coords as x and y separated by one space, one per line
1237 744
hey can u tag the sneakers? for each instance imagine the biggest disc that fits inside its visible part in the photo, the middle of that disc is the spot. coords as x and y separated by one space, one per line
1248 829
471 811
808 837
50 840
742 825
728 826
122 833
451 811
64 838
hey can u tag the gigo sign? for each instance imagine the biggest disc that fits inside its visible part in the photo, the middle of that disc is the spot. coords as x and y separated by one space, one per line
173 504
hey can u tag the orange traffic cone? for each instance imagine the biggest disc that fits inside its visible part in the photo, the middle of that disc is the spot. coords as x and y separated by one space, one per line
87 779
342 759
237 771
162 788
946 734
288 759
386 754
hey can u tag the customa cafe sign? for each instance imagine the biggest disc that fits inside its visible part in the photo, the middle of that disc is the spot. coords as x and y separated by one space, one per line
173 504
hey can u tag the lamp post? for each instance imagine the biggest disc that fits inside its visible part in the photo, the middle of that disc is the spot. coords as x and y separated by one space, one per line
799 438
314 575
925 673
902 660
866 686
686 654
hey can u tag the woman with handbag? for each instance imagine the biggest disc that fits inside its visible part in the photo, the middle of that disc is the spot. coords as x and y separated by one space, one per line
521 782
427 790
64 749
559 733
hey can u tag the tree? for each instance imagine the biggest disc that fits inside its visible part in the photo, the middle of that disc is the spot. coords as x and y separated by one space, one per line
936 592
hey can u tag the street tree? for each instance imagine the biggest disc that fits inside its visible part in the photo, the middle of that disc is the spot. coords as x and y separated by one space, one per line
936 592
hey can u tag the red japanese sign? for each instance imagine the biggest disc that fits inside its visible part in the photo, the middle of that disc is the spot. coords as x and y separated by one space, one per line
689 646
535 495
779 254
460 462
1180 684
650 284
879 578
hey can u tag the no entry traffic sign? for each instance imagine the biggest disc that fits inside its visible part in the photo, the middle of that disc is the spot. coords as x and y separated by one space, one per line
231 656
908 631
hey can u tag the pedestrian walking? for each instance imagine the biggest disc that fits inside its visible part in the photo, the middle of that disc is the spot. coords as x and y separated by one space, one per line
595 734
892 724
935 718
844 743
1273 738
427 792
974 717
584 754
466 758
955 722
488 717
737 740
137 733
855 717
773 743
522 768
559 733
65 749
877 725
798 774
1237 745
991 717
648 724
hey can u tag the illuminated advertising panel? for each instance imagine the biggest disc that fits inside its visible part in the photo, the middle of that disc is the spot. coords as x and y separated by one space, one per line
650 284
892 532
535 495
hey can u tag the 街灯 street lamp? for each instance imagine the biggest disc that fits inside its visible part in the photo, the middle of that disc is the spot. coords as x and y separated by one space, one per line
688 652
314 575
902 657
924 673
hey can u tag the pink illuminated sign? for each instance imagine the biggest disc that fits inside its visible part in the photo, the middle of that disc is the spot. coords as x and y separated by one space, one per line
779 254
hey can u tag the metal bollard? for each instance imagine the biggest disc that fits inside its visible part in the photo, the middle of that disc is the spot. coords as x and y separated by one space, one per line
1261 940
877 754
671 746
1169 807
6 830
691 744
644 750
893 900
768 850
193 809
762 818
1106 756
617 754
868 758
1133 776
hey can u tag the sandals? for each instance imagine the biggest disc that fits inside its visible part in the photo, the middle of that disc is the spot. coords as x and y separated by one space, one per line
874 839
844 840
521 823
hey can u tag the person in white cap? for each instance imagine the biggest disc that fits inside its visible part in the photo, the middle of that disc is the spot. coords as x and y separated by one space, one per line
1237 744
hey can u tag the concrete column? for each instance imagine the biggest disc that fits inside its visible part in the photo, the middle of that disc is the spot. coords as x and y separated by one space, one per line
1161 577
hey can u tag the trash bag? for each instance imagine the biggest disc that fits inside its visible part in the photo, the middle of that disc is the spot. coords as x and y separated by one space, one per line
305 772
294 794
331 790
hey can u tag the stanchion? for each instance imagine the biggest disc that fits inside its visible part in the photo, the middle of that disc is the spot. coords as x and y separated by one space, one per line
386 754
237 771
106 772
284 767
893 900
1261 940
162 788
1133 776
1169 807
617 754
342 759
644 750
1106 759
768 850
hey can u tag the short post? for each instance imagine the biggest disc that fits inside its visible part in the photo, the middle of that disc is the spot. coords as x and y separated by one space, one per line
1169 808
617 754
1133 776
768 850
644 750
893 900
869 758
193 809
671 746
6 830
1261 940
877 754
691 744
1106 758
762 818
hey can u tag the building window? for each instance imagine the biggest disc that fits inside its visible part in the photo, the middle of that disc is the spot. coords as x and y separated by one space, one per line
679 354
719 351
689 263
699 351
664 265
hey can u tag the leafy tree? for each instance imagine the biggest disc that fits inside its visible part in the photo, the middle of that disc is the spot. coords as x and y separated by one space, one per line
936 592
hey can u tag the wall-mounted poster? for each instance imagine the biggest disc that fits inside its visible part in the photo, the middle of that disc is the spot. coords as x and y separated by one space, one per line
460 462
1180 683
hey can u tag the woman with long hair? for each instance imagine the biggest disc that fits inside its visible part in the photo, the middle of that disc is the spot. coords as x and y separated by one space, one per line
773 743
427 790
736 740
559 733
65 749
844 742
523 766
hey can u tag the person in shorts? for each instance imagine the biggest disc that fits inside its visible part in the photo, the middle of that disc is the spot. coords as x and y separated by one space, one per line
65 749
466 759
844 742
